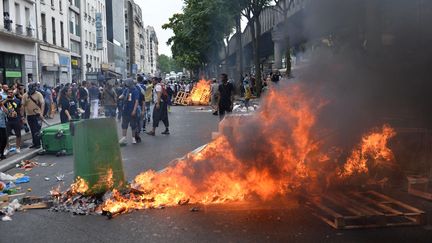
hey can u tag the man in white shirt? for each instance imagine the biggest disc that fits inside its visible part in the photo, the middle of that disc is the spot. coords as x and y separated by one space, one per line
160 110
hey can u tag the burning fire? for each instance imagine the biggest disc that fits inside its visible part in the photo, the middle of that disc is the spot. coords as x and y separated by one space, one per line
200 94
275 152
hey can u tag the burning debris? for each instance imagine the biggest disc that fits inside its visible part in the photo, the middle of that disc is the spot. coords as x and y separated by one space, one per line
200 94
284 155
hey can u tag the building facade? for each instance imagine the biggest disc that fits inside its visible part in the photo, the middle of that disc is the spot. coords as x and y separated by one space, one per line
75 39
53 53
152 52
94 50
18 52
116 40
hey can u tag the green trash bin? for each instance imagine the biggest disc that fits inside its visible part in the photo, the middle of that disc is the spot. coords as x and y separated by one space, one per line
57 139
97 157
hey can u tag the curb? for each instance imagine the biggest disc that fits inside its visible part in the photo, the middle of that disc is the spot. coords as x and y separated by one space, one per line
26 155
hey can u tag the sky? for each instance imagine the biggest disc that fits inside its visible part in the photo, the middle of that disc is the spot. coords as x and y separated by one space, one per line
156 13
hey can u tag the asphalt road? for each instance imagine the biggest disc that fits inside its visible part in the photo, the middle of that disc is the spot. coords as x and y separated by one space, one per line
191 128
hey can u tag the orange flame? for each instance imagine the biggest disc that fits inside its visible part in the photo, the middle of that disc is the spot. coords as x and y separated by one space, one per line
259 157
80 186
373 149
200 94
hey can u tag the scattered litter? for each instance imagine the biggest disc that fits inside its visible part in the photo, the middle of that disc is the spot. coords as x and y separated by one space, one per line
60 177
6 218
2 186
19 175
195 209
29 189
47 178
6 177
44 165
24 179
27 165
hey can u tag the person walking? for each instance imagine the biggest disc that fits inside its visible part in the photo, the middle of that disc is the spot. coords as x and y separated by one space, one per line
47 93
160 109
130 99
214 96
14 116
3 130
94 100
110 100
119 89
225 96
68 104
83 95
34 104
148 100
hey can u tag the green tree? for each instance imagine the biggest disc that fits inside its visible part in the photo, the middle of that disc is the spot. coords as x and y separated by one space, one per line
252 12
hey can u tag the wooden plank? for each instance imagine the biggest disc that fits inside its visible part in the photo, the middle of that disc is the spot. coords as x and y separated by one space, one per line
41 205
418 193
399 203
366 209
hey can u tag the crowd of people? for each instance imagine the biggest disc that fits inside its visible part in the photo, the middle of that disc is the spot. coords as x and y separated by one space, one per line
139 104
20 109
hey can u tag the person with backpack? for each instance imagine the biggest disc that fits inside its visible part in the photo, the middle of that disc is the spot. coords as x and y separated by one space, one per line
83 95
160 109
34 104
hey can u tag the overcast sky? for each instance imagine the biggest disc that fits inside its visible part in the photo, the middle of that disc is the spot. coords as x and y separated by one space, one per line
156 13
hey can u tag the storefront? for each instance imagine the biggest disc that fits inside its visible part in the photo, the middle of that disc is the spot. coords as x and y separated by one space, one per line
76 69
55 66
11 68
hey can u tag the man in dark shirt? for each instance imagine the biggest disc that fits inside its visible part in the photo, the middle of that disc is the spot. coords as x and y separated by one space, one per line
225 96
14 117
84 99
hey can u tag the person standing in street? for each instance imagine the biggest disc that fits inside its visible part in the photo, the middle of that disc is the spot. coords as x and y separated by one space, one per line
110 100
83 94
34 104
160 109
119 91
94 100
3 130
148 100
68 104
214 98
48 101
14 116
225 96
130 99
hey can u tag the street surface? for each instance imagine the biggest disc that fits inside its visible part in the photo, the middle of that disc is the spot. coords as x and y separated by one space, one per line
190 128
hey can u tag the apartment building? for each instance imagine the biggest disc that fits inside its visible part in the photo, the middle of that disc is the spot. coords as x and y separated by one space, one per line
52 31
18 53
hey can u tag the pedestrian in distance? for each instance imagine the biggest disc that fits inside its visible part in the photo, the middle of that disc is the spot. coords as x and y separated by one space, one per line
148 101
3 129
34 104
83 97
69 106
94 100
214 96
109 99
130 99
225 96
15 118
247 94
160 109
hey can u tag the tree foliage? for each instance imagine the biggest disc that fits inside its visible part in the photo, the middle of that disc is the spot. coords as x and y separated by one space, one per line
200 30
168 64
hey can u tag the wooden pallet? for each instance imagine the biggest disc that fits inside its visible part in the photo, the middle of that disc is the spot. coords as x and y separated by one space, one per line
418 186
182 98
363 210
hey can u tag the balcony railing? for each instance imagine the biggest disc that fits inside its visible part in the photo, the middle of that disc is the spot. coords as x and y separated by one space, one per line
19 29
29 31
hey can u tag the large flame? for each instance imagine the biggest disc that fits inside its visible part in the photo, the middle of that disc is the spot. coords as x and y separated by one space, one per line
263 156
200 94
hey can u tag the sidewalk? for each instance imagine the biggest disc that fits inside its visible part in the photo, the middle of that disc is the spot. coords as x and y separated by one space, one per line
26 153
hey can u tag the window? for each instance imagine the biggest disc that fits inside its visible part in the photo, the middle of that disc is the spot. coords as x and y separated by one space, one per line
52 3
53 31
44 35
61 34
27 17
60 5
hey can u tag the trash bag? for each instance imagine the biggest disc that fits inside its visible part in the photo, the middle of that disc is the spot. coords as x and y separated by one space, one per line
6 177
24 179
